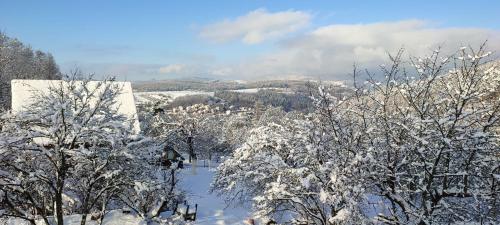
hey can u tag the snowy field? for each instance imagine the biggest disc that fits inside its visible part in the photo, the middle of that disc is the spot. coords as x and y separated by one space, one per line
255 90
144 97
212 209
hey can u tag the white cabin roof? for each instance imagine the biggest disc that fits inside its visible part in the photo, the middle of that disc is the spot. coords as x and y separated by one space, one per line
23 95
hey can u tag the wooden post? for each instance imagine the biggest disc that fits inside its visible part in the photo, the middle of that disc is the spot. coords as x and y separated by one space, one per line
195 211
187 213
175 208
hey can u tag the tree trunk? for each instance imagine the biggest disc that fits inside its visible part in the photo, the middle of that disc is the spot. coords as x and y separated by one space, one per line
172 180
61 173
59 209
84 219
190 146
103 209
85 205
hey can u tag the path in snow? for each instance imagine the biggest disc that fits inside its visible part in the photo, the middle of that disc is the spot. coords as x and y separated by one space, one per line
196 182
211 208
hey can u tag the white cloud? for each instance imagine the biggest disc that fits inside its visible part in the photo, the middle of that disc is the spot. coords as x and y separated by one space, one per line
223 71
173 68
329 52
256 26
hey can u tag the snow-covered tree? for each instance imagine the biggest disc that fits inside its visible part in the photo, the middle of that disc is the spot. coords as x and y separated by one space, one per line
284 169
434 139
190 129
235 129
63 152
19 61
152 116
418 147
429 137
152 187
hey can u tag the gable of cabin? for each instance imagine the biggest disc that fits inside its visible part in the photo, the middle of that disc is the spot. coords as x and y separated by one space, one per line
24 91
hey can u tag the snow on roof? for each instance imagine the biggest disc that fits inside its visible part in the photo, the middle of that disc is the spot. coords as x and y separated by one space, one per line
23 92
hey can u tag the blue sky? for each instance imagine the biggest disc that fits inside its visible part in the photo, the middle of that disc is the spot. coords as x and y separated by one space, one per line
143 40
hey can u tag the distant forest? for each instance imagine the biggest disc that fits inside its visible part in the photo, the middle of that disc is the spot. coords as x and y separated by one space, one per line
20 61
288 102
213 85
297 100
288 95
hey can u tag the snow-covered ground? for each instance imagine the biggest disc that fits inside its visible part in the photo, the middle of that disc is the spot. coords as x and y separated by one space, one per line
143 97
112 218
340 83
212 209
255 90
195 181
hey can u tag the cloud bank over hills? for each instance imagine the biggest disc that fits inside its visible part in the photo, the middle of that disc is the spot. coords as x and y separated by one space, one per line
299 50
